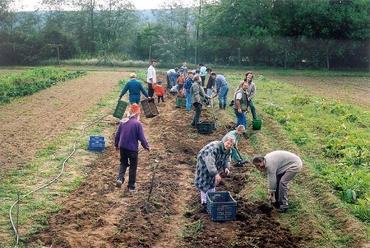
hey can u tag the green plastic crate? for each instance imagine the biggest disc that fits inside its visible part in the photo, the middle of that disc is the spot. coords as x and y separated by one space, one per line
120 109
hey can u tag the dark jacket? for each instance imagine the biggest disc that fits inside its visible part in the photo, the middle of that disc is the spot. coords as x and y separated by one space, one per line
134 87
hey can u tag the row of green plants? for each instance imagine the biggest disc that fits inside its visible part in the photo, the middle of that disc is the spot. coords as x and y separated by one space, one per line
337 135
31 81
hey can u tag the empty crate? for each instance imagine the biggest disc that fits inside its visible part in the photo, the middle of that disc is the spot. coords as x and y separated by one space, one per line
206 127
120 109
149 108
96 143
180 102
221 206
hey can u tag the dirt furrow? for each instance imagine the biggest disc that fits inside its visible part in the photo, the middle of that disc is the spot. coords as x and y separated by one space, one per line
29 122
99 215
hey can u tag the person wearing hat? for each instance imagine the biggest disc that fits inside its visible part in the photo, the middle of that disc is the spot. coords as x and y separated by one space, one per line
280 167
135 88
130 131
212 161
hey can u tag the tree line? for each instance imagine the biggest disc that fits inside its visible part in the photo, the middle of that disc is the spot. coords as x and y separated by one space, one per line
283 33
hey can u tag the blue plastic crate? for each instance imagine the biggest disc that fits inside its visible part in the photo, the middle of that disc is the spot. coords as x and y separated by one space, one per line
96 143
221 206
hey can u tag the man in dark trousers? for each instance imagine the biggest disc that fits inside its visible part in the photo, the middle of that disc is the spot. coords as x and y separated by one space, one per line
129 132
135 88
280 167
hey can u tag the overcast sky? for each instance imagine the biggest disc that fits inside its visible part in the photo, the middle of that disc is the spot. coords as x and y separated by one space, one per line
29 5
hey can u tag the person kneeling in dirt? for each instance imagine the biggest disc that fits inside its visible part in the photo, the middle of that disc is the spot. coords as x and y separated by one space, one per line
212 160
129 132
134 87
281 167
236 134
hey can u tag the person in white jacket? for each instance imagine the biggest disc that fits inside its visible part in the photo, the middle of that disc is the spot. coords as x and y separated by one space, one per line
280 167
151 78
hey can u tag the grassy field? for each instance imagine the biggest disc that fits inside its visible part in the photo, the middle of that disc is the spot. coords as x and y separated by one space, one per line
333 139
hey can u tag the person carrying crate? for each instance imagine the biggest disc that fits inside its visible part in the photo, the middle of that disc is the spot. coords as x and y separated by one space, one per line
129 132
212 160
281 167
135 88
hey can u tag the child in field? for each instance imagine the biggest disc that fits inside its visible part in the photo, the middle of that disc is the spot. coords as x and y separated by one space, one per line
180 82
159 91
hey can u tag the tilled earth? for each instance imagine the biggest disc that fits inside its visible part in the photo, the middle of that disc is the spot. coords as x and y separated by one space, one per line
98 214
29 122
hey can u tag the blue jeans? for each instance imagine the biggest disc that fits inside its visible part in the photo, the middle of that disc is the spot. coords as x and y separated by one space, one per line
222 96
241 119
188 101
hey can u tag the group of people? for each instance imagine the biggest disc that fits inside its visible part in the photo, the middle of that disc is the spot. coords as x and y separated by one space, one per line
214 159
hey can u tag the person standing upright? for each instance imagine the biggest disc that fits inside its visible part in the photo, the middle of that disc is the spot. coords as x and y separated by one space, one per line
241 104
151 78
210 83
251 92
202 73
134 87
197 98
222 89
187 86
129 132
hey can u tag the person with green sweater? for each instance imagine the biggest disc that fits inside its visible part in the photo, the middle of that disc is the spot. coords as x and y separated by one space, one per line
281 167
236 134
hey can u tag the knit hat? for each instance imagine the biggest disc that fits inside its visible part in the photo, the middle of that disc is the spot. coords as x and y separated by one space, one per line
134 109
133 75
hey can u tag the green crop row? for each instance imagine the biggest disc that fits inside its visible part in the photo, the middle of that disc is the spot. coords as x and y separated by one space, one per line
31 81
337 135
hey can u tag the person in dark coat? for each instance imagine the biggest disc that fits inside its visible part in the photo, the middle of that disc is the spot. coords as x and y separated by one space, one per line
135 88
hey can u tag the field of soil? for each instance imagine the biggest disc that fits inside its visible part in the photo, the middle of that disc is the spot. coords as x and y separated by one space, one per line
353 90
98 214
29 122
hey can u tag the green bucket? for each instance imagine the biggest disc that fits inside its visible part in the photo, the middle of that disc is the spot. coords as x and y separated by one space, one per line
257 124
120 109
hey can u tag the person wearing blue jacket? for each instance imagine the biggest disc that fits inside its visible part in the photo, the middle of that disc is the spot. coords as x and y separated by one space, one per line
187 86
135 88
222 89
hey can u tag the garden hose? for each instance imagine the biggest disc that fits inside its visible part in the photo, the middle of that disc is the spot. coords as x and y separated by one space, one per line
51 181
